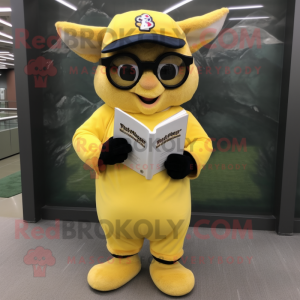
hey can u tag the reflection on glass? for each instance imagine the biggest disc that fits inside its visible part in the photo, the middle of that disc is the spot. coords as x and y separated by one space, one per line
67 4
176 6
245 7
8 124
8 104
7 112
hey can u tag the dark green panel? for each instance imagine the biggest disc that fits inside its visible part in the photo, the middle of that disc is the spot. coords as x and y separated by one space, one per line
239 109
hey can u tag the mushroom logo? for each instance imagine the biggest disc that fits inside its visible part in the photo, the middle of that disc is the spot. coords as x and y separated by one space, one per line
40 68
39 258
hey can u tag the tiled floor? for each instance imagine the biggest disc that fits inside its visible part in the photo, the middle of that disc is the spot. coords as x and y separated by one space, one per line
9 165
264 266
10 207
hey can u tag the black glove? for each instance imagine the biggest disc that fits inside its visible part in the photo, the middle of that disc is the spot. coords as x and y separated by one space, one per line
179 166
114 151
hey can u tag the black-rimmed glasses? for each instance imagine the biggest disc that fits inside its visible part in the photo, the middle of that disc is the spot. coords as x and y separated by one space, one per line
124 70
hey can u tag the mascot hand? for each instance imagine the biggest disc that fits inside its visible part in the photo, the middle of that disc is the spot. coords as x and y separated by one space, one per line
114 151
179 166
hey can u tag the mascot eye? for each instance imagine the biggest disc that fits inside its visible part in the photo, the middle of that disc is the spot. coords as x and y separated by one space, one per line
172 70
167 71
123 71
128 72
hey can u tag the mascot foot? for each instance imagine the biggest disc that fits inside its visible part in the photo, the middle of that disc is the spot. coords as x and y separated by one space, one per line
173 280
114 273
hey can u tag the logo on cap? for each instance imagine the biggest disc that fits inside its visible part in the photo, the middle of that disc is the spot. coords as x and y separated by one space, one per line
144 22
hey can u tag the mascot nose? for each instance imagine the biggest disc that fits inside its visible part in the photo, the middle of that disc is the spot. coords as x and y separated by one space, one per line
148 81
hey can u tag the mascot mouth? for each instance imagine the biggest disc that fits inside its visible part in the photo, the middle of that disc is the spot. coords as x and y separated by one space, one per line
147 100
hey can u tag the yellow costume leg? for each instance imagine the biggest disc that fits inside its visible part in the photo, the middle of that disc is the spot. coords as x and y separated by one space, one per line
117 271
114 273
172 279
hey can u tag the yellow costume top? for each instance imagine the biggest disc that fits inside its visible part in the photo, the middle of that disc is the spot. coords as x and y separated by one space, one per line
122 194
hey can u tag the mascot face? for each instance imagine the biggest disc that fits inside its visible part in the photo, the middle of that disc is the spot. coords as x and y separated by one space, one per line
151 93
145 57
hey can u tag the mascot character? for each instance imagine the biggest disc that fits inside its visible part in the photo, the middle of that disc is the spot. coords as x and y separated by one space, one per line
145 69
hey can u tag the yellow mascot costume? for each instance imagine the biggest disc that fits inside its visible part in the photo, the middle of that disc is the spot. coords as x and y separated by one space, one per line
131 208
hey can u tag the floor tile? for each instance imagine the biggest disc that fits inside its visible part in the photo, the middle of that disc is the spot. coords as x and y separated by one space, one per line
11 207
9 165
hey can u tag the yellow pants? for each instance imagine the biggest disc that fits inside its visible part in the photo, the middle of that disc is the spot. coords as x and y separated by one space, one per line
131 208
127 237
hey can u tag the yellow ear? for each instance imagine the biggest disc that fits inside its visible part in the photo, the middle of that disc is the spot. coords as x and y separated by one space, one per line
199 31
84 40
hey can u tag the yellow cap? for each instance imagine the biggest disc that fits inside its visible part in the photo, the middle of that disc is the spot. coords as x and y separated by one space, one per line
142 26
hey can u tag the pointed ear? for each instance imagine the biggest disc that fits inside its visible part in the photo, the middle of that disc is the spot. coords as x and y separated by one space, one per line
86 41
199 31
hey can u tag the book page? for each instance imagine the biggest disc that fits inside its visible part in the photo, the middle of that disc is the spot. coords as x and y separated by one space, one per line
171 119
169 139
137 135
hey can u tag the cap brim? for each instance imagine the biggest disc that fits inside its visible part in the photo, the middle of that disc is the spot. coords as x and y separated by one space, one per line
150 37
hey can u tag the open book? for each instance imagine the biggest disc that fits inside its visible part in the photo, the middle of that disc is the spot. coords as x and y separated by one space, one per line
150 149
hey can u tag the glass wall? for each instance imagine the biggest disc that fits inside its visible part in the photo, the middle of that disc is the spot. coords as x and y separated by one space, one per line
297 211
237 102
9 135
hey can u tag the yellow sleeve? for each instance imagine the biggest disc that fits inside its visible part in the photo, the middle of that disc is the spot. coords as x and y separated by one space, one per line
198 144
88 138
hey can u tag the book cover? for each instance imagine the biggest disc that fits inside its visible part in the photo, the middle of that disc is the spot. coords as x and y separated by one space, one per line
150 149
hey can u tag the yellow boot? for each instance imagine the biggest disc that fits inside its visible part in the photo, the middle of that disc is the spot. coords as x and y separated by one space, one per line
114 273
173 280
